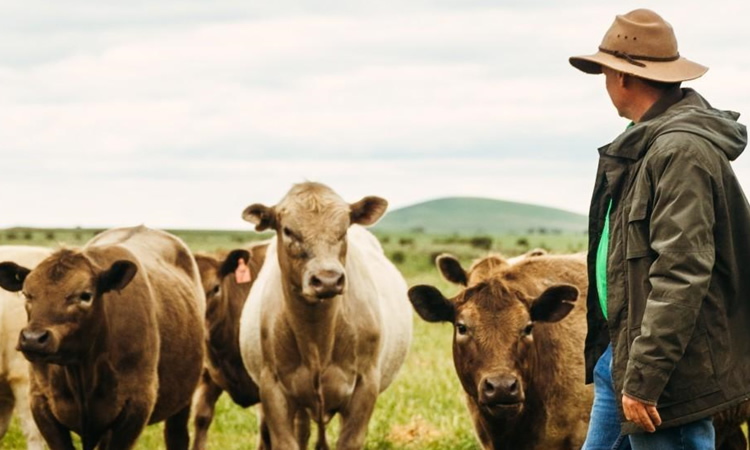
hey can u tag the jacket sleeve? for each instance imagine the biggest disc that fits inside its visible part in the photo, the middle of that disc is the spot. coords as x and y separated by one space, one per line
681 235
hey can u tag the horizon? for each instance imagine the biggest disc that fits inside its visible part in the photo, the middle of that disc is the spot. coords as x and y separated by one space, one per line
374 226
178 114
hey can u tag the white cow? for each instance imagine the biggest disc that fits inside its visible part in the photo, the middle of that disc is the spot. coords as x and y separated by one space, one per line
327 324
14 369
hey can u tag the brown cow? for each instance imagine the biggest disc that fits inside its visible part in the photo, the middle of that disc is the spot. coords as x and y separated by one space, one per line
115 338
327 324
224 370
518 348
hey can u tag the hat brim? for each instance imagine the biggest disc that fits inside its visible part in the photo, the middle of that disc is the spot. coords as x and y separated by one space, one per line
681 69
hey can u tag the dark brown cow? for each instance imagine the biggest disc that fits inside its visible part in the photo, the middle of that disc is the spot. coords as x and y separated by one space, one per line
115 338
224 370
518 348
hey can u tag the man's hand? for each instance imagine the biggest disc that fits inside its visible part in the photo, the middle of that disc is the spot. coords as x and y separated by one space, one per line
641 414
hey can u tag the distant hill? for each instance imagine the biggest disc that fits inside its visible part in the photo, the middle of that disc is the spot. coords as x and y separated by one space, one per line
471 216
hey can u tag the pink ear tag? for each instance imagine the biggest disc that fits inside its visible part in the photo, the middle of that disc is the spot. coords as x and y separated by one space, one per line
242 273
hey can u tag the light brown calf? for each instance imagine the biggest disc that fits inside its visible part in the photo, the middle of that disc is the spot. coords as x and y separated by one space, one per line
14 369
327 324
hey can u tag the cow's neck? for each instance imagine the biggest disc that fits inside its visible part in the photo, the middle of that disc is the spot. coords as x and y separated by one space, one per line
518 432
88 375
314 327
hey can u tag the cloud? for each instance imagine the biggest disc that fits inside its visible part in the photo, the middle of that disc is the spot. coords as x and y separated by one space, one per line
153 100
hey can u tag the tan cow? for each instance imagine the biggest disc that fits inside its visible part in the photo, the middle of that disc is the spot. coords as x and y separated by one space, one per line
224 370
518 347
115 338
327 324
14 369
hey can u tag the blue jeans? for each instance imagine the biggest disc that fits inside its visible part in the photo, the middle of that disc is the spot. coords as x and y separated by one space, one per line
604 426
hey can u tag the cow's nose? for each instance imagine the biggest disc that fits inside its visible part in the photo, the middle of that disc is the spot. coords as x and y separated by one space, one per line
34 340
501 389
327 283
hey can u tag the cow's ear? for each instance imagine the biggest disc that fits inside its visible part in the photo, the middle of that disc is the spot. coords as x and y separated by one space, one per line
554 304
431 305
450 268
262 216
535 253
232 261
368 210
117 277
12 276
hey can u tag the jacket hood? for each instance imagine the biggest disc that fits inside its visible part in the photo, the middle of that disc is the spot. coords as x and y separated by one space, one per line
693 114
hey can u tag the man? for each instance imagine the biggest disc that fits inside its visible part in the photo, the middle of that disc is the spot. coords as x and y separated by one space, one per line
669 320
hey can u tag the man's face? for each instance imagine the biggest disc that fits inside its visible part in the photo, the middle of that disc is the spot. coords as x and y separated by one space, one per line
615 89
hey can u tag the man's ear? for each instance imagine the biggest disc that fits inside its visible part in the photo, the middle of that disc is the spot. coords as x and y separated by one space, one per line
554 304
450 268
12 276
431 305
262 216
368 210
232 261
117 277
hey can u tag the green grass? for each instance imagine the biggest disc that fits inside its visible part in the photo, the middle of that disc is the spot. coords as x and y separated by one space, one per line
422 409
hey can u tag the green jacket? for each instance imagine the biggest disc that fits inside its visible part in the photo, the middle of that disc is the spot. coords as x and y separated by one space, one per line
678 278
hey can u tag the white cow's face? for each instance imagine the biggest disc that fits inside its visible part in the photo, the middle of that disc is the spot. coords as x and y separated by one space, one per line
311 224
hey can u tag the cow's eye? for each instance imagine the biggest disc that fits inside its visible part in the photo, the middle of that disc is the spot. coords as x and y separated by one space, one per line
85 297
528 329
461 329
215 290
291 234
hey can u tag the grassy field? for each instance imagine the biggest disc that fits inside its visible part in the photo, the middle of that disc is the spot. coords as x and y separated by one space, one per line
423 409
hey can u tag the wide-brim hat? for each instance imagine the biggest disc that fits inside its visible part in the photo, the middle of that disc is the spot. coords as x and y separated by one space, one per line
643 44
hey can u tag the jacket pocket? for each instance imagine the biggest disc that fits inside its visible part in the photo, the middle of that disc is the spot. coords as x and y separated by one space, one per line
694 375
637 243
638 260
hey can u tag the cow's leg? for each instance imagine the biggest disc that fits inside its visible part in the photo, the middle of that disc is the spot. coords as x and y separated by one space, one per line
302 427
277 413
733 439
104 442
264 436
6 408
356 415
54 433
128 425
207 395
34 439
176 433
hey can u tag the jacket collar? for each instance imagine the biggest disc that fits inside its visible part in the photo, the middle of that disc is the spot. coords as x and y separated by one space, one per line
633 143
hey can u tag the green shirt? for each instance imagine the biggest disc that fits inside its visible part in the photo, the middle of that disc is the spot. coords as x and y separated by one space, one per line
601 257
601 263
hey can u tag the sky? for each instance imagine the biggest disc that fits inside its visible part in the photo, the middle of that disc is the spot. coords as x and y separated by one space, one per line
179 114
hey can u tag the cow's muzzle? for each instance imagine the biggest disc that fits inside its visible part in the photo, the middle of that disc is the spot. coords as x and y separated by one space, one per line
37 344
326 284
501 391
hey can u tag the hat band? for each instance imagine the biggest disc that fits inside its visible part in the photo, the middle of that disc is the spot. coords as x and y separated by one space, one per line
635 59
